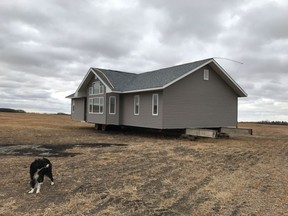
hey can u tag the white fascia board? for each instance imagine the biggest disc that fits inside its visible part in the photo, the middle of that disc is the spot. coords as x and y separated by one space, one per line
143 90
108 89
116 92
230 78
103 75
74 97
76 92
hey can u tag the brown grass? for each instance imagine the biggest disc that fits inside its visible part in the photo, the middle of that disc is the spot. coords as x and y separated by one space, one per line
152 175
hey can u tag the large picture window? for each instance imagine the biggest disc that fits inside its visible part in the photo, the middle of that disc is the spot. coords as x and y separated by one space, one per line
136 105
96 105
155 104
112 105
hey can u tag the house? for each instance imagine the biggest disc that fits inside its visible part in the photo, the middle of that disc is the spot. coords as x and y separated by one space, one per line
200 94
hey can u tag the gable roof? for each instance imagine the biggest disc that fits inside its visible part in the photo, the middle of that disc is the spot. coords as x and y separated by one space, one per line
124 82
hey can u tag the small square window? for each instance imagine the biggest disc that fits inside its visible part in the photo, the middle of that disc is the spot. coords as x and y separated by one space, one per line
206 74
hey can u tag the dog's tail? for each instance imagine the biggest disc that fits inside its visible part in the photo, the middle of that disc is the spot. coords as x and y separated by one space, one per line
47 165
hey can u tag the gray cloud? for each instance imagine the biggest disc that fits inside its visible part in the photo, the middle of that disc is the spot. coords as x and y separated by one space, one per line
47 46
186 20
270 22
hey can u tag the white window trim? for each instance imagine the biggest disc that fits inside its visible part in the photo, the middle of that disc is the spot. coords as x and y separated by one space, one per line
153 104
136 96
90 104
101 88
115 104
206 74
91 90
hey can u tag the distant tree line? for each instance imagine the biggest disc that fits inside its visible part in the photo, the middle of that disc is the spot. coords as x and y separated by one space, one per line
61 113
11 110
273 122
23 111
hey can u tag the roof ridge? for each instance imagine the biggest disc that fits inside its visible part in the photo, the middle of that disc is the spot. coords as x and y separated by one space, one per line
180 64
114 70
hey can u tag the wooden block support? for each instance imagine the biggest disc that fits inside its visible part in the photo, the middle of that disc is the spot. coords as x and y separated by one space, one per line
201 132
236 131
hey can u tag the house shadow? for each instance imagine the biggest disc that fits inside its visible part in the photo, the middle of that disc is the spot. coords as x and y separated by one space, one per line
50 150
144 132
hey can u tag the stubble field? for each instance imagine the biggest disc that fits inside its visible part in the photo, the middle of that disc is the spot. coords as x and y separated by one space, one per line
137 173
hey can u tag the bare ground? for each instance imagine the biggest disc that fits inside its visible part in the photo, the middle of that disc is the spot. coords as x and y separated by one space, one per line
133 173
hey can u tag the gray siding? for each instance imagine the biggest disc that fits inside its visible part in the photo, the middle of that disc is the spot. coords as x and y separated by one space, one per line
104 118
79 109
113 118
145 117
97 118
190 102
93 117
193 102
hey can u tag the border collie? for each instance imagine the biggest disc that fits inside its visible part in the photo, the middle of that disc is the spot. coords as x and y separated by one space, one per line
38 169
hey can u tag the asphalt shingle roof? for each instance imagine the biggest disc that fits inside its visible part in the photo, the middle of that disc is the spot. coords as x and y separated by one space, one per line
123 81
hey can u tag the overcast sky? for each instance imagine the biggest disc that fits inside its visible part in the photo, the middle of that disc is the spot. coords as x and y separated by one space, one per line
47 46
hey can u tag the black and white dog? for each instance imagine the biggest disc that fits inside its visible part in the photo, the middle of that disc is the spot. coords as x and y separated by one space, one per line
38 169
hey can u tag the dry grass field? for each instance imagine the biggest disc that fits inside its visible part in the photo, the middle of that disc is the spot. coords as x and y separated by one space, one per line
135 173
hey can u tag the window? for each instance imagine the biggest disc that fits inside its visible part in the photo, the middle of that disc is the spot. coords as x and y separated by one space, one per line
73 106
90 105
101 90
112 105
136 105
155 104
96 88
206 74
96 105
90 90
